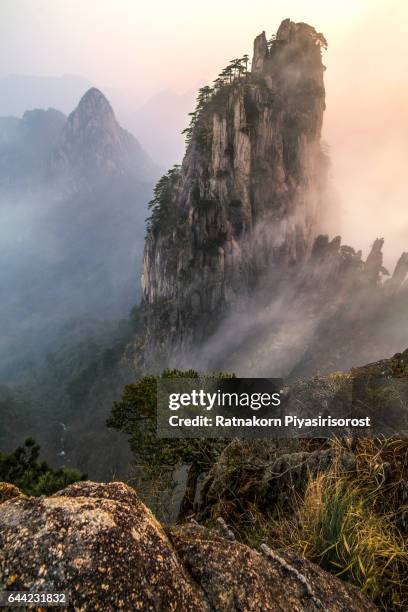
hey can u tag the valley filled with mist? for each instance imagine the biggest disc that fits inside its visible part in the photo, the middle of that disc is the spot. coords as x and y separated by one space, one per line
74 193
215 220
75 186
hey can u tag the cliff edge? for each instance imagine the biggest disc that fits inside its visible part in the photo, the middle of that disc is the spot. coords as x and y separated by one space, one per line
247 198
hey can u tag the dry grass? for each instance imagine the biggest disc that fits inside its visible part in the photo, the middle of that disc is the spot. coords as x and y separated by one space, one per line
336 527
342 524
347 523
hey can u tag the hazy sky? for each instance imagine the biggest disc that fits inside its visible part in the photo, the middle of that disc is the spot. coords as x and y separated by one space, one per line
144 47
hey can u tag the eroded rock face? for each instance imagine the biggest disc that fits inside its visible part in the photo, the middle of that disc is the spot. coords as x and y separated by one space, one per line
237 274
247 197
102 545
235 577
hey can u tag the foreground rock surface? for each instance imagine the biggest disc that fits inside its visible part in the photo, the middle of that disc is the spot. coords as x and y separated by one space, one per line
99 543
8 491
102 545
236 577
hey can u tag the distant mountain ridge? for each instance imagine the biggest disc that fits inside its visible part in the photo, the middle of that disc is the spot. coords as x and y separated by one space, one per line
26 143
73 204
87 147
156 122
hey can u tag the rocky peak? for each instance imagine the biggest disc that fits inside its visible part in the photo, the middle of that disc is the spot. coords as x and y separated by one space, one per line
261 53
93 119
93 145
93 103
291 59
249 194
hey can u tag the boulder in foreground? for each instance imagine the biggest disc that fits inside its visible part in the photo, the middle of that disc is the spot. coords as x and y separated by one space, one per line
102 545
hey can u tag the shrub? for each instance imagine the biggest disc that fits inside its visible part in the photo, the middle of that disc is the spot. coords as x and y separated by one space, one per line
22 469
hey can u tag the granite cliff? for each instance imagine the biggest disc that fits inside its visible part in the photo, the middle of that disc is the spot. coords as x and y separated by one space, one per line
238 274
248 196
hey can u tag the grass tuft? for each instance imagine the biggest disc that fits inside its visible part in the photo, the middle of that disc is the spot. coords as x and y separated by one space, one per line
336 526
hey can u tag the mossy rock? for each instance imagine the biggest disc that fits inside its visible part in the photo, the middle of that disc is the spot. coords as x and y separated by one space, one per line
8 491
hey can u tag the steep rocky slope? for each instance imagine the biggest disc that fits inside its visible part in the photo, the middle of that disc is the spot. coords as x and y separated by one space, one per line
248 195
237 273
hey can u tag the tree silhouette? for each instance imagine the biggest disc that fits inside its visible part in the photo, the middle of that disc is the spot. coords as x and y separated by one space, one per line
228 75
245 60
160 203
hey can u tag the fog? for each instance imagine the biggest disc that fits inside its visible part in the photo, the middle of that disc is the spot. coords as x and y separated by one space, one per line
330 313
70 263
136 51
366 126
71 241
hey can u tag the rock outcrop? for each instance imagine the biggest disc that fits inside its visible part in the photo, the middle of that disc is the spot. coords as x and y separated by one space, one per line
247 198
100 544
237 274
270 476
270 473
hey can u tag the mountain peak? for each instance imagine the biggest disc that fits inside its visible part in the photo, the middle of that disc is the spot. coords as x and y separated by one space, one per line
94 100
95 107
93 144
246 201
93 93
295 45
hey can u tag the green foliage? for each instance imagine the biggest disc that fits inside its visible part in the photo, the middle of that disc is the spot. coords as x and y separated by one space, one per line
160 204
136 415
237 68
22 469
204 95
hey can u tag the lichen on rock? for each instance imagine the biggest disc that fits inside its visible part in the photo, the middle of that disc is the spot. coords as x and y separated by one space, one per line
8 491
99 543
